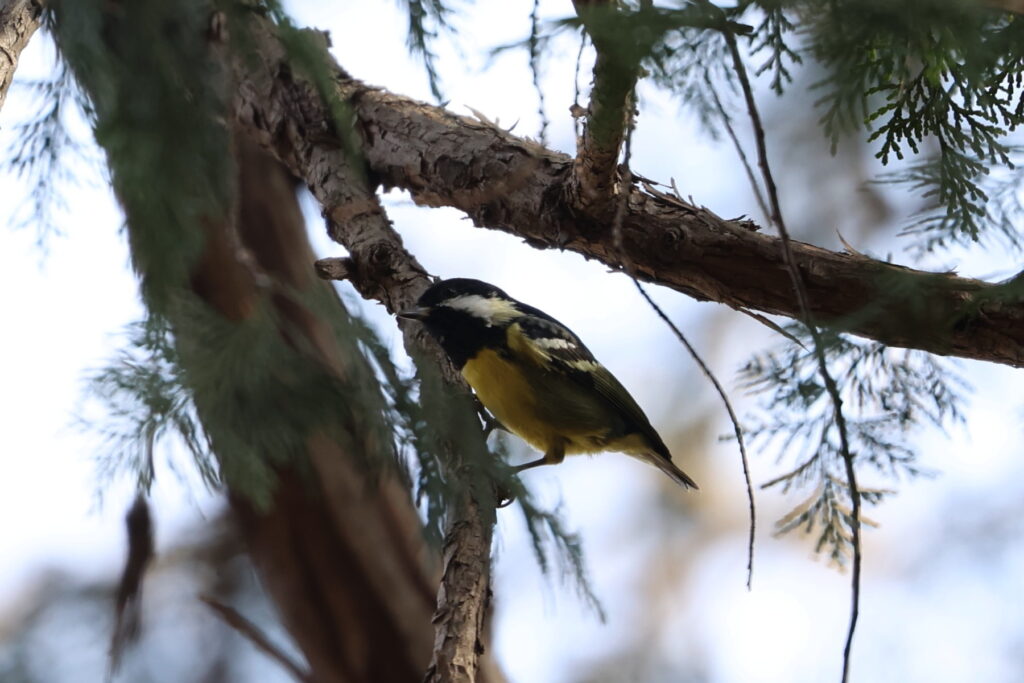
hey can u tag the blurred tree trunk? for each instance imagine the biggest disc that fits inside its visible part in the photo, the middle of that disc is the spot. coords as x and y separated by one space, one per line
339 545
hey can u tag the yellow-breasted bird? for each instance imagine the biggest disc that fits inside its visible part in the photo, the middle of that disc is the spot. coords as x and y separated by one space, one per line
536 377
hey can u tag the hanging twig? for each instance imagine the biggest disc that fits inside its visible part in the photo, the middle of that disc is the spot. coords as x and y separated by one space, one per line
577 109
252 632
620 212
727 122
732 417
534 45
819 349
128 605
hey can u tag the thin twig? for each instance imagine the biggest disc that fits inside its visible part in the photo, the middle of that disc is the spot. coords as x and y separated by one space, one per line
727 122
624 184
576 84
249 630
819 350
732 416
620 212
534 45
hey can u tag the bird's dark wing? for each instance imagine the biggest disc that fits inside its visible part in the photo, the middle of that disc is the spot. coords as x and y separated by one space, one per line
559 347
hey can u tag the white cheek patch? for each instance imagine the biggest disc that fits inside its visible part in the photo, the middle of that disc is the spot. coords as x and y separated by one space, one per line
554 343
493 311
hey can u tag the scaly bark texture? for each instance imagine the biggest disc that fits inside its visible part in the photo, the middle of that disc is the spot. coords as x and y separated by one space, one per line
19 19
463 601
507 183
503 182
510 184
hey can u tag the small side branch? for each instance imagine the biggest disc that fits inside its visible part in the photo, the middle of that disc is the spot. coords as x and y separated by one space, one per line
615 76
744 460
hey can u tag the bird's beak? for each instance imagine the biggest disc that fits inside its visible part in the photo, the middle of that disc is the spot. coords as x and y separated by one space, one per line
417 313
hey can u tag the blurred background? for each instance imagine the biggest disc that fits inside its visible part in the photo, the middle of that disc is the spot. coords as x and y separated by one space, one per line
942 596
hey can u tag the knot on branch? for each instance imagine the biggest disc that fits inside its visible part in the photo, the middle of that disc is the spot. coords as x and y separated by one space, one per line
334 268
378 271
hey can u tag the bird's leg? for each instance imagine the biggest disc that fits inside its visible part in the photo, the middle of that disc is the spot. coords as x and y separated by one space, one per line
555 455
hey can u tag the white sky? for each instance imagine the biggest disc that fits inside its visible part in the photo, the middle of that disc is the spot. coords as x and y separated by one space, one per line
930 612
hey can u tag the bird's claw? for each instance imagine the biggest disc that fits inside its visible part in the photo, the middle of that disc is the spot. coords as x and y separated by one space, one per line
502 496
490 422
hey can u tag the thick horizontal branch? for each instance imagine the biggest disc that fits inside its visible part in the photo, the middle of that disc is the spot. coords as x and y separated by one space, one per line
508 183
515 185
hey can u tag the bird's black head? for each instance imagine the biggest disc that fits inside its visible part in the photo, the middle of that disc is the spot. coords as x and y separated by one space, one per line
465 316
447 290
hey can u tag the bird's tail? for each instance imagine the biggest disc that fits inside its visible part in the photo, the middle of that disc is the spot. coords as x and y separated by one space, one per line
668 467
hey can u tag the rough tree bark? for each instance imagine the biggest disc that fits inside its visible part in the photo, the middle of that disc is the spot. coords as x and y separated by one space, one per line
271 105
512 184
19 19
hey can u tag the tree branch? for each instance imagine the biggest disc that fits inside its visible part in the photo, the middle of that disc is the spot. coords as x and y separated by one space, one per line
19 19
615 75
515 185
463 599
274 104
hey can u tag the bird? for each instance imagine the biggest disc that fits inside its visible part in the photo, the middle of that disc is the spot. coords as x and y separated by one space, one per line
536 377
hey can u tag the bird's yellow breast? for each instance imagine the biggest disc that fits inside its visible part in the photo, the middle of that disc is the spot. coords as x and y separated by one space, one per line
505 391
543 408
